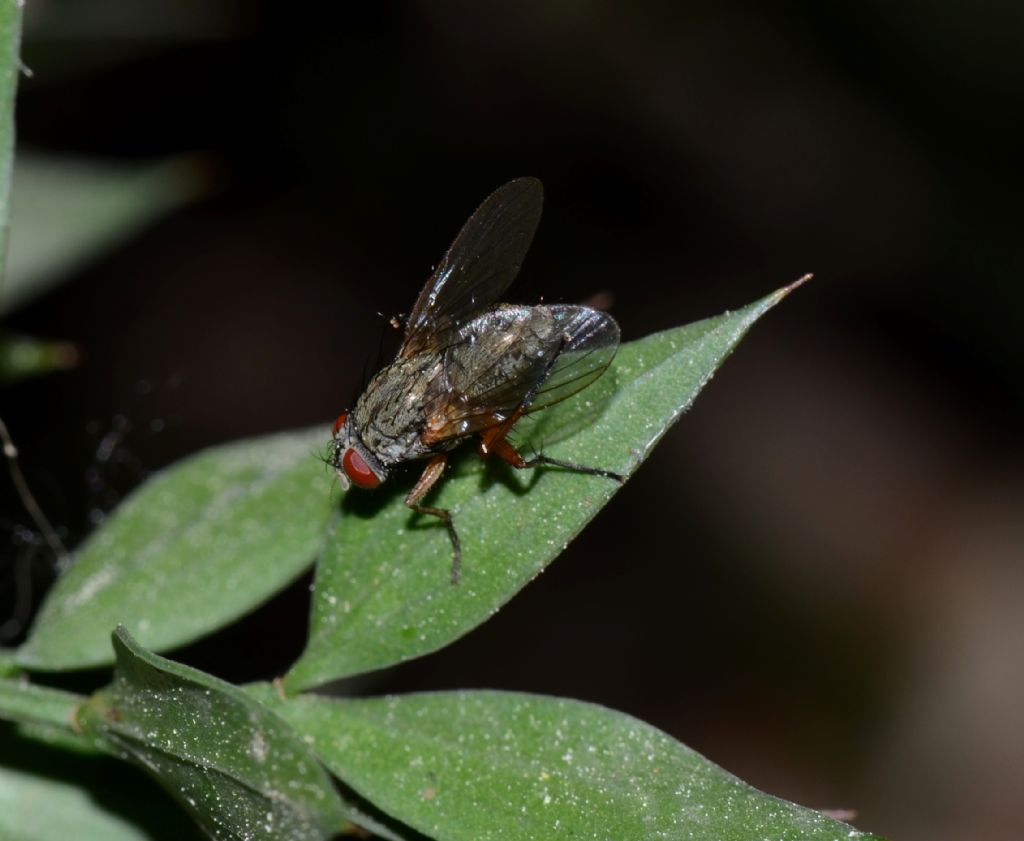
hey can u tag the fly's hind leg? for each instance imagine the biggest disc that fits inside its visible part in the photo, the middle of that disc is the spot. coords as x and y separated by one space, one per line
433 471
509 454
494 441
540 460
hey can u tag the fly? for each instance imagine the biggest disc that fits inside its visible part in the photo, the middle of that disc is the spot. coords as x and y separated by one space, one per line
469 366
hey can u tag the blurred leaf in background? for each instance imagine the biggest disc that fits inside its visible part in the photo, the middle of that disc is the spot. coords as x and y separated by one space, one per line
23 356
67 211
10 64
193 549
48 794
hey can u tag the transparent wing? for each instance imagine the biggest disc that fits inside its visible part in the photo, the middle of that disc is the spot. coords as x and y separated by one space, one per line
592 338
520 360
478 267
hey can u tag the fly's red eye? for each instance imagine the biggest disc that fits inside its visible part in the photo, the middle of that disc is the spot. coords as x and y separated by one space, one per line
339 423
358 470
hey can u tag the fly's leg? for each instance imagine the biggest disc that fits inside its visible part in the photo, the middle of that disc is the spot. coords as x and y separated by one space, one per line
540 460
433 471
494 441
509 454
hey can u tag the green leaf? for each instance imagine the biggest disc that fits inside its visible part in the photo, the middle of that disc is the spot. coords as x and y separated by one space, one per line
472 766
36 808
238 768
191 550
23 356
10 43
382 592
66 211
52 795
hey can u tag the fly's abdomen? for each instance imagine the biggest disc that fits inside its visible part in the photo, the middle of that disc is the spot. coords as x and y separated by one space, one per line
509 344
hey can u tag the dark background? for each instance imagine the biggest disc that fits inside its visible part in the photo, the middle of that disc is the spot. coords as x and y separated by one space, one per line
816 580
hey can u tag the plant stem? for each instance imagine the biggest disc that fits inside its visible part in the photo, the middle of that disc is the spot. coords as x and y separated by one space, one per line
22 701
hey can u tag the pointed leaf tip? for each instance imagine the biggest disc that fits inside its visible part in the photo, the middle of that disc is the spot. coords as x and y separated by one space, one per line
796 284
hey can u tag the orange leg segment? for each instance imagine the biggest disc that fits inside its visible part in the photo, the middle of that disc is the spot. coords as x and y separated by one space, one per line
505 451
493 442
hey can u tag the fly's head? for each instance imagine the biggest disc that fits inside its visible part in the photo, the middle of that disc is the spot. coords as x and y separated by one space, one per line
352 460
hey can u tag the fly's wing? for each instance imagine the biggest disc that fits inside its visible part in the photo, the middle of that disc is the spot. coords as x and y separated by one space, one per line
591 340
517 360
478 267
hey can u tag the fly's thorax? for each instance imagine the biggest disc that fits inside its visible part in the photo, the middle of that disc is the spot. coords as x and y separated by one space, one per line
391 413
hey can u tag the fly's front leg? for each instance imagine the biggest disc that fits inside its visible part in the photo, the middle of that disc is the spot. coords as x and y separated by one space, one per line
433 471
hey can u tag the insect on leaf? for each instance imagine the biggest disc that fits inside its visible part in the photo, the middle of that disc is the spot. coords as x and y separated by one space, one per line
380 595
